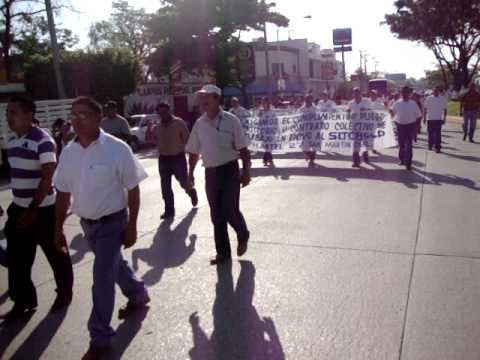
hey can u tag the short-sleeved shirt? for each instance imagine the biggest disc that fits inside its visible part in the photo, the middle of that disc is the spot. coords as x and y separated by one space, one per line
471 101
217 140
357 107
326 106
26 155
116 126
435 107
99 176
377 105
406 112
172 137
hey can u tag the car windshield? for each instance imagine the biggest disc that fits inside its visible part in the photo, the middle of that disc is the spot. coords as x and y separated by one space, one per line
135 120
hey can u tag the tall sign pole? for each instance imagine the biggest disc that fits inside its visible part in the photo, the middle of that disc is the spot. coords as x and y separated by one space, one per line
55 52
267 63
342 42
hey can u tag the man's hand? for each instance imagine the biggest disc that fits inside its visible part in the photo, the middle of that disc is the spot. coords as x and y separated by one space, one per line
61 243
130 236
245 179
27 219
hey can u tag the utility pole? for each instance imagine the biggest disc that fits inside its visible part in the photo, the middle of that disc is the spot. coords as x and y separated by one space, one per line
267 62
55 52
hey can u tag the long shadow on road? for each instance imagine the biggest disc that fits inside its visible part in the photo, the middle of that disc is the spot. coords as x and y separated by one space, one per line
39 339
169 249
239 331
410 179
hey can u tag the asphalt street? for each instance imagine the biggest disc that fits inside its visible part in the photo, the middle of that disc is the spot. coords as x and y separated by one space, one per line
371 263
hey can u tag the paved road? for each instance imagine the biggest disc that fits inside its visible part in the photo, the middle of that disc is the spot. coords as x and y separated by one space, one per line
376 263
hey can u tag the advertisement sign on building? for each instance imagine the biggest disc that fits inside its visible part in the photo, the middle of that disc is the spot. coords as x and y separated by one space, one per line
246 63
328 65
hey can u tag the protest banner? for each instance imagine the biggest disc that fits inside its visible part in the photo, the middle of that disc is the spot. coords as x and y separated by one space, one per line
287 131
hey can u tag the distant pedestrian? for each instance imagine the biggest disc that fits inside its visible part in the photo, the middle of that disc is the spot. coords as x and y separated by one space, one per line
325 104
267 112
406 114
31 216
355 108
376 104
418 98
309 111
219 138
470 107
240 112
172 136
114 124
102 176
435 114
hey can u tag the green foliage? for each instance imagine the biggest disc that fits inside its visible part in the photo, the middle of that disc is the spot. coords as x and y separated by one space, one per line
206 33
450 28
126 28
104 74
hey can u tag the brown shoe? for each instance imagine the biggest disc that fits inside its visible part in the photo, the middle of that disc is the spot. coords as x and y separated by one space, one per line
132 308
219 259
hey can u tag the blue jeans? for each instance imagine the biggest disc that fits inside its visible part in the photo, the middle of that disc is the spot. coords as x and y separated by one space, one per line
105 238
469 123
406 133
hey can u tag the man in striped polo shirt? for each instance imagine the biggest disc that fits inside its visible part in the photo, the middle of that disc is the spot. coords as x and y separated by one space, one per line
31 216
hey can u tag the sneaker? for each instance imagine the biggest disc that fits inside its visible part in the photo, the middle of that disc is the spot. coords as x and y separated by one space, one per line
464 137
438 151
243 244
356 165
132 307
194 197
409 167
401 163
167 215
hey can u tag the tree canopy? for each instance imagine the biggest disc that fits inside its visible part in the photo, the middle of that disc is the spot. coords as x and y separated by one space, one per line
450 28
206 32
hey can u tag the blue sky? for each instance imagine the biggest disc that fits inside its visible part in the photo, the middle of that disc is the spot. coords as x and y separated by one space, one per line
363 17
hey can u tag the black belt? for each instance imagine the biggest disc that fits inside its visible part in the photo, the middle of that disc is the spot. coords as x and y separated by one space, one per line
102 219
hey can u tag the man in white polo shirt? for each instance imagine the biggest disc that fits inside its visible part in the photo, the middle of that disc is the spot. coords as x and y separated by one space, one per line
355 108
219 138
435 110
102 175
405 114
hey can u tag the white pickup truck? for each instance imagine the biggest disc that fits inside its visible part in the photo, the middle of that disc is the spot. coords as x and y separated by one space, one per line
142 130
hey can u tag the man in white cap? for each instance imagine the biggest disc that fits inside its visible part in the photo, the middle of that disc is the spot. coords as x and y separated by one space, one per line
435 114
355 108
325 104
239 111
219 138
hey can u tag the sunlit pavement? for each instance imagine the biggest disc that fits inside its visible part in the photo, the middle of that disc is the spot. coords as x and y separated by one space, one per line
376 263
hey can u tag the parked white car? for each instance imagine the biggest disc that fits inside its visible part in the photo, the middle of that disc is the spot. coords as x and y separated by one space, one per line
141 127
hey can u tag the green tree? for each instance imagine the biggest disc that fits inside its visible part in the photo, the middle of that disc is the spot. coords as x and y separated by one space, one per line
126 28
450 28
104 74
212 35
15 15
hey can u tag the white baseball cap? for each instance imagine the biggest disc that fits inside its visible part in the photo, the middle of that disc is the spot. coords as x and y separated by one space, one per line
210 89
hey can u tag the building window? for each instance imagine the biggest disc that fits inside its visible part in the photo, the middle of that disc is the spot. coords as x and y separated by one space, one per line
278 69
294 69
312 73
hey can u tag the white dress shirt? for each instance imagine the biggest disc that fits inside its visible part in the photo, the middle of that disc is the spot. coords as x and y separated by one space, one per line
357 107
377 105
406 112
326 106
217 140
99 176
435 107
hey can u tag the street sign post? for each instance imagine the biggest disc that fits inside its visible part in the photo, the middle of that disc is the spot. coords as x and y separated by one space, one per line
342 40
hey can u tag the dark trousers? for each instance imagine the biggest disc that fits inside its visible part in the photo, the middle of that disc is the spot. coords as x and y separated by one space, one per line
435 134
469 123
406 134
267 157
223 193
21 250
169 166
